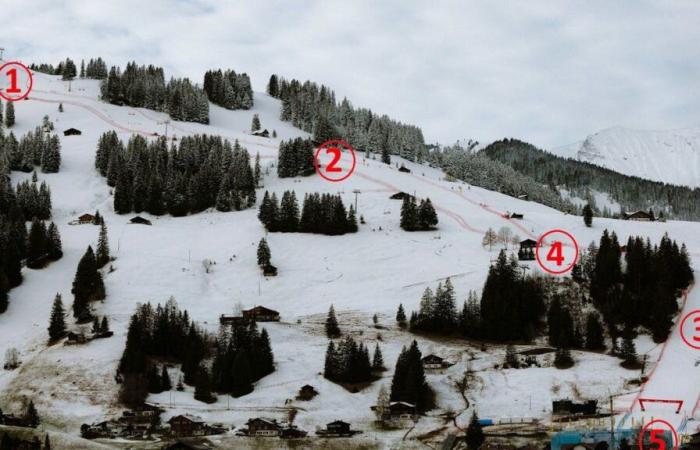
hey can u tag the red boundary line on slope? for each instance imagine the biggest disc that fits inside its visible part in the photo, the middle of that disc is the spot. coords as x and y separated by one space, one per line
663 350
97 113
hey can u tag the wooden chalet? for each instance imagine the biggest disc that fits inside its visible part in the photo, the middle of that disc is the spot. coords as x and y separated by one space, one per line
433 362
144 414
528 243
85 219
76 338
402 411
232 320
269 270
516 216
307 392
261 314
404 169
72 132
291 432
140 221
260 427
639 216
264 133
186 425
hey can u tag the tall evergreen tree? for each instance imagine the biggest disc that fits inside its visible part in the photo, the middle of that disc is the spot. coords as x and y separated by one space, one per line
102 255
263 253
57 324
588 215
255 125
87 286
10 114
475 433
401 316
332 328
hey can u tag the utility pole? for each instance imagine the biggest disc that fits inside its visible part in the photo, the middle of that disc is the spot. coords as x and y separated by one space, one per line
612 424
2 50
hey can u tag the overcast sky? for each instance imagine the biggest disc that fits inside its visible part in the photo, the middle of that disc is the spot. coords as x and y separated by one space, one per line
547 72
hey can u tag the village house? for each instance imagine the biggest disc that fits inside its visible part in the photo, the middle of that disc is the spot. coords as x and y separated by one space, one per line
527 250
186 425
264 133
306 392
76 338
269 270
516 216
404 169
337 428
85 219
261 314
400 196
141 415
291 432
260 427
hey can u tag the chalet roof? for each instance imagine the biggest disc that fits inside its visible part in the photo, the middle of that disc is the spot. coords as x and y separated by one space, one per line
431 357
308 387
528 241
639 213
272 422
188 417
86 216
337 422
406 404
260 310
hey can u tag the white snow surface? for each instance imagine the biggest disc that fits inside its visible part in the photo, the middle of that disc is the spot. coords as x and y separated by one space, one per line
361 274
669 156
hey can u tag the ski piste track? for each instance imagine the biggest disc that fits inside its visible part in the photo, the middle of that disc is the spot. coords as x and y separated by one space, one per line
459 220
658 382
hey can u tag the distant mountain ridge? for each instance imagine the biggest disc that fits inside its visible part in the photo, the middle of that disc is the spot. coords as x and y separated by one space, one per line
668 156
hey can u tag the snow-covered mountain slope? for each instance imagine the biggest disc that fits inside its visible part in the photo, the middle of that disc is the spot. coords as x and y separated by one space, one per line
361 274
671 156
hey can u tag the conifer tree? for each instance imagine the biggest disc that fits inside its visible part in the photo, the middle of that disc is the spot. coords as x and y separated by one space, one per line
60 107
378 359
263 253
36 244
95 325
628 352
273 87
255 125
595 339
102 256
257 171
427 217
54 248
87 286
386 158
10 114
409 384
588 215
31 416
57 324
401 316
165 382
409 214
104 325
202 388
47 443
475 433
332 328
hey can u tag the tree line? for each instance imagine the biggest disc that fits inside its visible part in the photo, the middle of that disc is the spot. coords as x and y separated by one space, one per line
632 193
320 213
145 86
228 89
238 356
348 362
417 217
200 172
314 109
37 148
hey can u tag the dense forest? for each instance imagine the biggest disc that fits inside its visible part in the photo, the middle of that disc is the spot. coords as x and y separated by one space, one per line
632 193
462 162
30 200
238 356
314 109
145 86
228 89
295 157
200 172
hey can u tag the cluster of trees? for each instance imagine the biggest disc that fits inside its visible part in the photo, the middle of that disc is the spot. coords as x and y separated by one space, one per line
228 89
96 68
7 442
349 362
632 193
243 356
36 148
144 86
512 304
43 244
200 172
417 217
88 286
409 384
34 199
437 311
295 157
479 169
314 109
9 115
165 332
320 213
645 292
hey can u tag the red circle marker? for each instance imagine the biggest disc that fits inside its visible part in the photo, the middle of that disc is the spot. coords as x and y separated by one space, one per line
696 337
334 148
12 73
660 443
555 257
